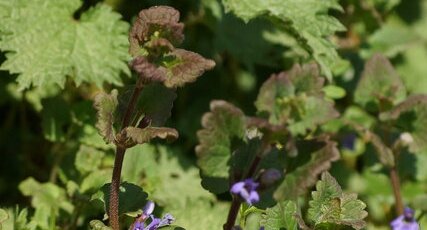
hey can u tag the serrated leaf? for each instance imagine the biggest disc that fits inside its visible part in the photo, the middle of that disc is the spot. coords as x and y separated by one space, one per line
220 126
75 50
98 225
163 20
187 66
156 102
106 105
379 86
142 136
281 216
297 182
295 98
411 116
88 159
47 199
131 197
306 20
331 206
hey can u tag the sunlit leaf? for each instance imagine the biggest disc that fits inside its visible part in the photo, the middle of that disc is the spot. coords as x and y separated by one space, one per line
88 159
330 205
281 216
141 136
27 36
220 126
296 98
106 104
308 21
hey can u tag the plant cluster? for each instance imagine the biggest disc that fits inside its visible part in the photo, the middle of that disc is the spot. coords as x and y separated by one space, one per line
335 138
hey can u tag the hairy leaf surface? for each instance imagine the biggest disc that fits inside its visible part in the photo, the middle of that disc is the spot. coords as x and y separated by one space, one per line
45 44
306 20
106 105
281 216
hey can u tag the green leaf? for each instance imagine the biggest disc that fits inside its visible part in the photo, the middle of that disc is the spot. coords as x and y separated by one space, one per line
330 205
142 136
297 182
45 44
95 180
412 67
281 216
47 199
380 86
98 225
334 92
3 217
186 67
88 159
131 197
295 98
220 126
169 176
411 116
106 105
306 20
156 102
55 118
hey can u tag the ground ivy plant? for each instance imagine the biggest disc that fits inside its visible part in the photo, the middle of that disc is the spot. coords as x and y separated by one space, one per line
325 121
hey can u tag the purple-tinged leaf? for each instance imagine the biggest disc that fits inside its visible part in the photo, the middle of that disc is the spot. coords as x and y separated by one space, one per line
148 71
186 67
141 136
296 98
106 105
158 21
380 85
297 182
411 117
220 126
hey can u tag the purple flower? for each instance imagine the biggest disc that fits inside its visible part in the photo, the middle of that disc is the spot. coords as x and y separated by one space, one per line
155 222
405 221
247 190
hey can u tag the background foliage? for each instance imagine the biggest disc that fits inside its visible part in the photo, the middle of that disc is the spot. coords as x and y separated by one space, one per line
57 54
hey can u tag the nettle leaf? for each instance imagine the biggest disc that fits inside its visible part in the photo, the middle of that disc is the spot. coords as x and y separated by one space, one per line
47 199
141 136
220 126
27 32
296 98
281 216
132 198
297 182
156 102
106 105
307 20
186 67
411 116
380 86
158 21
88 159
330 205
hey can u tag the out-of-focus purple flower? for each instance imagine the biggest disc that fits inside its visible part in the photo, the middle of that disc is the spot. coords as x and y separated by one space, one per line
348 141
269 177
155 222
247 190
405 221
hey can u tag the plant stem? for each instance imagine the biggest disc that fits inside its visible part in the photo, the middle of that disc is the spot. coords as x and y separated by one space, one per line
113 212
235 204
396 190
232 214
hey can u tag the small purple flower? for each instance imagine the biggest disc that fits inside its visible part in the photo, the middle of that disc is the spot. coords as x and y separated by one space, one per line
247 190
155 222
405 221
348 141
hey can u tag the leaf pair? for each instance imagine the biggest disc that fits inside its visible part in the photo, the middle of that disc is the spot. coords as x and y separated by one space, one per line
153 38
